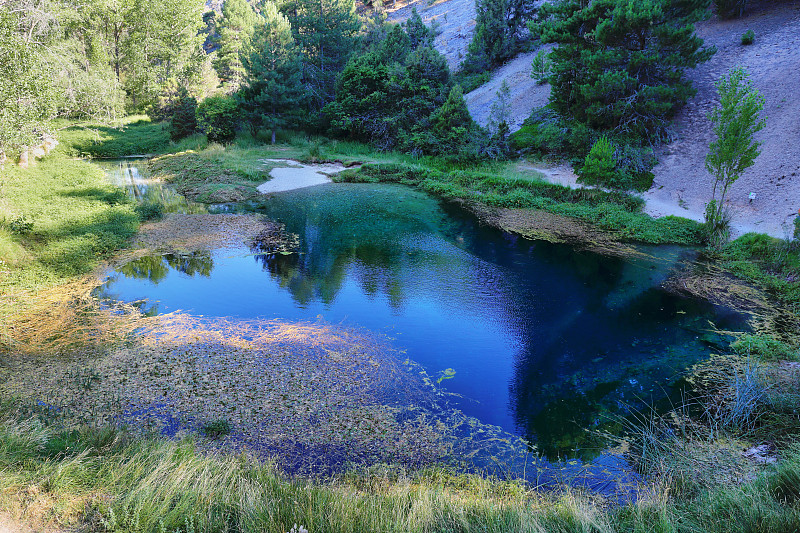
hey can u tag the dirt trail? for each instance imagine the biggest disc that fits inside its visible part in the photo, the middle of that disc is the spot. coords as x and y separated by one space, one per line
682 185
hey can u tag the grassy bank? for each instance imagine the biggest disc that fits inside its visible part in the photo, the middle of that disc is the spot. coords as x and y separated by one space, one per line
58 219
107 482
133 135
615 212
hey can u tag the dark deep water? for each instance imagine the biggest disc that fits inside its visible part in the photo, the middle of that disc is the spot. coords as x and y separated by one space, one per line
545 341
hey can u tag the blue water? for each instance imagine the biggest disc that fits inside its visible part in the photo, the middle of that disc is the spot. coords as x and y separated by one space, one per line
545 340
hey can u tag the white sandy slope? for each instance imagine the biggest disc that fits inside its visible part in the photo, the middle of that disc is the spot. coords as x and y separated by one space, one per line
682 185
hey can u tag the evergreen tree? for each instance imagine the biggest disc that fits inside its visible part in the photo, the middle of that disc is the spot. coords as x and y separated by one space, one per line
499 27
325 32
451 124
391 89
418 33
236 28
273 89
619 65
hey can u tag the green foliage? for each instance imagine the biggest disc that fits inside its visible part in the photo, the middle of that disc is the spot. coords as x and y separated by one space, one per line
162 42
771 263
451 125
764 347
748 37
214 429
389 94
736 121
218 118
137 136
730 8
498 33
149 210
619 66
184 117
542 67
273 87
236 28
325 32
599 167
27 96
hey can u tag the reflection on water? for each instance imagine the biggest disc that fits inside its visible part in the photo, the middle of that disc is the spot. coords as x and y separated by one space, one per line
132 176
545 341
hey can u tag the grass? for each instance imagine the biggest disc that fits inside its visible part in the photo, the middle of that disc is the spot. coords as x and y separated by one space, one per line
106 481
59 219
134 135
773 264
615 212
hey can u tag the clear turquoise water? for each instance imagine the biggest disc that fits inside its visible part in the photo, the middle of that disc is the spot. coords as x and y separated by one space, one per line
545 341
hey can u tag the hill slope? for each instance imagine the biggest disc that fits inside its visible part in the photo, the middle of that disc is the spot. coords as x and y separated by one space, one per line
682 185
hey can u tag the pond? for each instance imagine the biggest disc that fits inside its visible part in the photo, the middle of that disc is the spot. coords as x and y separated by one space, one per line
543 340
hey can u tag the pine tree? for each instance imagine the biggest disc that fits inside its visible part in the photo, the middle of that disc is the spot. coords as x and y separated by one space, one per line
498 32
236 28
325 32
451 124
273 89
619 65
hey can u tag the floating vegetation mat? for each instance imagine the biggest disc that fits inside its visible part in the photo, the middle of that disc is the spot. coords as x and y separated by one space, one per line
541 225
193 232
767 315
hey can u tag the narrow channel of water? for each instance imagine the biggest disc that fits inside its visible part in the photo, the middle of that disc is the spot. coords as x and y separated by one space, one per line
540 339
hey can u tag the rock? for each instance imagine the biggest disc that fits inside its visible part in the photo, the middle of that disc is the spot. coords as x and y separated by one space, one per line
23 158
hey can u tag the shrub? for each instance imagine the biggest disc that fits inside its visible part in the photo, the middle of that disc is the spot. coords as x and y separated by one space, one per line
599 167
797 228
217 117
749 37
149 210
214 429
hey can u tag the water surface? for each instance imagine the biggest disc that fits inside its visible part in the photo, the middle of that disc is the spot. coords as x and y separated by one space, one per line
538 338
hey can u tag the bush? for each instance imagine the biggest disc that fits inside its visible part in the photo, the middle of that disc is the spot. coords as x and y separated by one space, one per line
599 167
749 37
214 429
218 117
149 210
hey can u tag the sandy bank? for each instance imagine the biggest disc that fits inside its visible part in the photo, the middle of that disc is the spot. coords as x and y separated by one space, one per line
298 175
